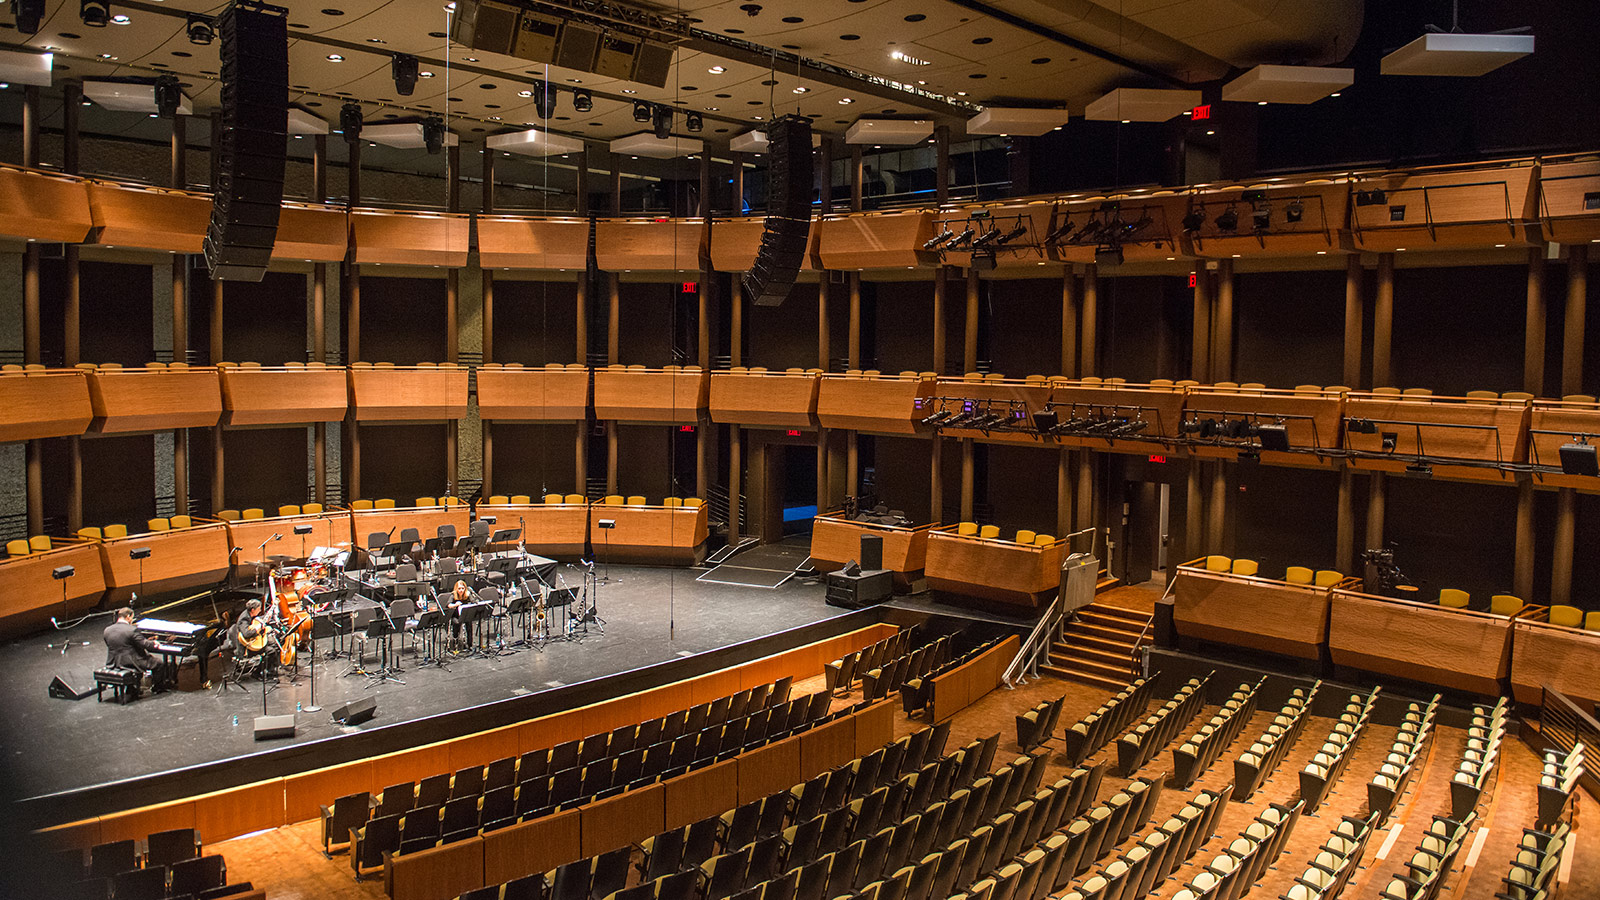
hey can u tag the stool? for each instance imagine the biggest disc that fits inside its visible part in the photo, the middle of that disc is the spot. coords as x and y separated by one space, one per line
124 683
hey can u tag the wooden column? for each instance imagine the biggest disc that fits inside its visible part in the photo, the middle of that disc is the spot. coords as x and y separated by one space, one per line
613 357
1217 507
1088 333
736 325
738 184
350 301
218 466
1063 492
1353 322
1376 506
72 96
702 321
1194 539
1222 325
215 343
1200 355
854 361
735 472
1069 321
935 479
180 323
1534 329
580 452
1383 324
941 281
1564 545
33 453
319 321
824 326
969 345
1344 553
1522 565
824 500
1577 311
1083 506
856 174
969 465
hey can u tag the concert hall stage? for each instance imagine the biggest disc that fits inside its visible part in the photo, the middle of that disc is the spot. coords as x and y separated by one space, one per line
52 746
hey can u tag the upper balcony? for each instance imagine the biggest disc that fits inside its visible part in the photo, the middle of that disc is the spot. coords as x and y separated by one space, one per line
383 392
157 397
282 395
755 397
513 393
676 395
876 403
41 403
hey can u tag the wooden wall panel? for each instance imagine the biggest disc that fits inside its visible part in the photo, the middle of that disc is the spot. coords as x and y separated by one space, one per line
139 823
44 404
311 233
822 748
82 834
651 396
884 405
877 241
30 595
43 207
1563 217
627 818
952 691
410 765
506 242
547 731
136 400
767 770
445 871
533 395
772 399
306 793
148 218
1260 613
410 239
874 726
180 559
241 810
536 846
993 569
1452 648
647 245
484 747
282 396
1564 658
736 242
712 685
704 792
408 394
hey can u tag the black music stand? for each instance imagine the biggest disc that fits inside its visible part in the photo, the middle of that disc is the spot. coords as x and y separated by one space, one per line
303 530
607 525
432 622
359 620
381 628
141 554
61 574
472 614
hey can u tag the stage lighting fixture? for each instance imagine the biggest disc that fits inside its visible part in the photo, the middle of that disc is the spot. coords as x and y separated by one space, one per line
1389 439
1294 211
1108 255
693 121
1228 220
1129 229
662 123
1261 216
943 237
1361 426
1579 459
1194 220
403 66
95 13
1371 198
168 96
1089 232
1013 234
544 99
350 121
982 260
1189 426
963 239
1061 231
29 14
641 111
433 134
1045 421
582 101
1420 468
202 30
987 238
1274 437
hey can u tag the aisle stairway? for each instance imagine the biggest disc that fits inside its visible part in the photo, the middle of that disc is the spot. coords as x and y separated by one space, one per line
1098 645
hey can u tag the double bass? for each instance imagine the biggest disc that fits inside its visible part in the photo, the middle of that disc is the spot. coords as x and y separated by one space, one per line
294 618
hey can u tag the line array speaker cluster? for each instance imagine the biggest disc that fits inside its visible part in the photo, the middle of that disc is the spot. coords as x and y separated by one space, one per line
788 223
546 37
252 146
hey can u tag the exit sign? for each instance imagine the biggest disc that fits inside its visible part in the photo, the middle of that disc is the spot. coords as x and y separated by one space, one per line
686 429
691 287
1200 112
1192 279
1157 459
794 432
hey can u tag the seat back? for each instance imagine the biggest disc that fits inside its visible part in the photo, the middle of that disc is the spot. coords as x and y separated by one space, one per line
1453 598
1297 575
1570 616
289 510
1218 563
1328 577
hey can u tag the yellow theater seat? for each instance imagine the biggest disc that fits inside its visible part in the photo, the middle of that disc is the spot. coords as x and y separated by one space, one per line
385 503
1570 616
426 501
575 498
1297 575
361 505
693 502
612 500
255 512
521 499
453 501
967 529
1245 567
1591 622
1453 598
39 543
989 531
553 498
311 509
18 547
182 521
1218 564
1505 605
90 533
636 500
1043 540
116 531
289 509
498 500
158 525
228 515
672 501
1328 577
1025 536
1483 395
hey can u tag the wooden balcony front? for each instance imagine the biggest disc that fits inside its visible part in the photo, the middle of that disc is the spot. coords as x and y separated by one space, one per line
1311 421
137 400
43 206
1479 207
1554 423
328 529
408 393
879 404
554 393
765 399
1564 658
425 519
836 540
1017 399
410 239
648 245
311 232
1452 648
652 396
993 569
1322 209
1564 214
30 595
180 560
659 535
44 404
1479 434
507 242
149 218
282 395
875 241
1160 407
556 530
1248 611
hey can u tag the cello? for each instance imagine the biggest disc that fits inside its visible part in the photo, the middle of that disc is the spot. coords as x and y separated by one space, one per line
296 621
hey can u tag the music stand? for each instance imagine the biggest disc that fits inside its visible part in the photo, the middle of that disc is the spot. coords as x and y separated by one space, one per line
471 614
380 628
61 574
430 547
303 530
607 525
431 621
359 620
503 566
141 554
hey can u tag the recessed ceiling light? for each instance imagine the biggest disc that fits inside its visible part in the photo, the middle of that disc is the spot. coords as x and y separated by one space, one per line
340 12
802 90
120 19
376 41
470 58
1211 132
424 74
717 70
1127 121
961 93
846 101
629 91
524 93
107 56
712 108
334 57
575 81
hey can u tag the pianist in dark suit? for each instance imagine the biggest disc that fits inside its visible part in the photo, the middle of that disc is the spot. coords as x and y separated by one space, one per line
126 648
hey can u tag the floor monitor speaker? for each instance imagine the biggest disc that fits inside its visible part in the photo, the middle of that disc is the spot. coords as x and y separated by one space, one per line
252 145
356 711
268 727
59 688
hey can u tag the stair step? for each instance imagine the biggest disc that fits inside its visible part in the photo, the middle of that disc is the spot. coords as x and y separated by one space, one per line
1095 630
1111 684
1106 583
1123 670
1093 654
1126 617
1094 642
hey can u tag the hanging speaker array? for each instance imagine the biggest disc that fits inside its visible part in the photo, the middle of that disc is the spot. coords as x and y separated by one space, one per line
788 224
253 144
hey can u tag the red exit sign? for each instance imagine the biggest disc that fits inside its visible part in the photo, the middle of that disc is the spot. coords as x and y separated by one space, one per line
686 429
1157 459
691 287
794 432
1192 279
1200 112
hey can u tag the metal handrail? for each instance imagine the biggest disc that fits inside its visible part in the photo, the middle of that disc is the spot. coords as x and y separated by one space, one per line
1564 725
1025 664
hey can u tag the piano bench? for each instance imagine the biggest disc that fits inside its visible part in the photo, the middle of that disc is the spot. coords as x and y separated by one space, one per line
124 683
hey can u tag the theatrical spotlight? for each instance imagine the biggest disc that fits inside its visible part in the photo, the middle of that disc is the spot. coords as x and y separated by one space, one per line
1108 255
1261 216
1194 220
987 238
963 239
1228 220
1061 231
641 111
201 29
95 13
1294 211
433 134
29 14
544 99
1578 458
350 121
662 123
168 96
939 239
582 101
693 121
1013 234
403 66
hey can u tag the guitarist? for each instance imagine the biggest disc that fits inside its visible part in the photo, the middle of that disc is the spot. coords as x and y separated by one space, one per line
250 637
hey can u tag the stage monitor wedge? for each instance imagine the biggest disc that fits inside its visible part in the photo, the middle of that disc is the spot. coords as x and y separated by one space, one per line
356 711
787 229
269 727
253 145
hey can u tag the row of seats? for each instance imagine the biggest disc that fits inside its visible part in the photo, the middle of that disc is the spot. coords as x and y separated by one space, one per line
992 533
1232 873
1395 772
1092 837
1532 872
840 674
1293 574
891 675
1195 755
39 543
1573 617
608 500
917 694
1484 734
1036 726
1159 854
390 365
1327 765
1141 745
1432 861
1096 729
1255 765
1556 783
164 864
1339 857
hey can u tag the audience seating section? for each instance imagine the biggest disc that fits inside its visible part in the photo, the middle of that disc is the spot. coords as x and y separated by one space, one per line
1257 764
1194 756
1098 728
1395 772
1478 760
1139 746
1331 867
1327 764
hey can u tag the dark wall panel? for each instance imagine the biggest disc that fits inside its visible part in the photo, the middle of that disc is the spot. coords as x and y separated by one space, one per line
1460 329
534 459
904 333
535 322
1289 328
116 309
402 462
262 321
1022 489
263 467
119 481
902 471
1452 535
403 320
648 455
1131 309
647 324
1025 327
1262 500
785 336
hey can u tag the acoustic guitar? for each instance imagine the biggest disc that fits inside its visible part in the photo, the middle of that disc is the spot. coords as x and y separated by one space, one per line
257 643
